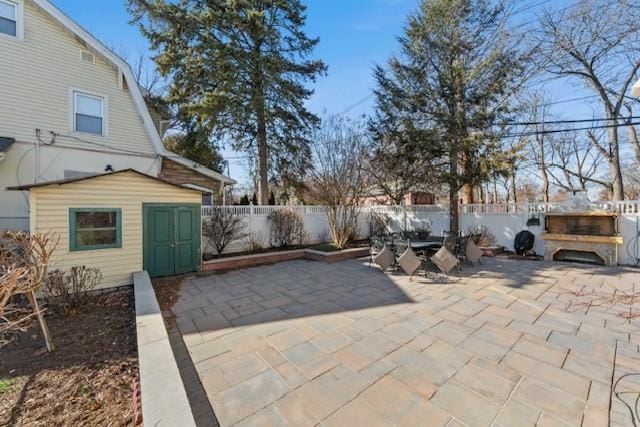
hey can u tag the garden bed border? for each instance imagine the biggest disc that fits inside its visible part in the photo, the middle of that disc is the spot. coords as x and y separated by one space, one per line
253 260
164 399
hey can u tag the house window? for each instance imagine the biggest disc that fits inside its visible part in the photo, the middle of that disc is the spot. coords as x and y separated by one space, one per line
9 17
207 199
94 228
88 111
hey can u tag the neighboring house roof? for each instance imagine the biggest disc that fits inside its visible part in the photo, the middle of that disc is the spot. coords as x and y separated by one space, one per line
202 169
83 178
132 84
5 143
635 90
198 187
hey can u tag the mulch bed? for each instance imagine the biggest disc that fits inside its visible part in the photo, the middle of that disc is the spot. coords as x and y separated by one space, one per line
87 380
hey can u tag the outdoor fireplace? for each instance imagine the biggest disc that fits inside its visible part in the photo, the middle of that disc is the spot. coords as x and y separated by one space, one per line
578 231
586 236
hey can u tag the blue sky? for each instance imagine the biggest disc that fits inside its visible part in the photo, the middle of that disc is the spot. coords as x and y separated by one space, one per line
354 36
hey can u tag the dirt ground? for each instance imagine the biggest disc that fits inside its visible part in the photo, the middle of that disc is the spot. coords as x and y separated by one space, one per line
87 380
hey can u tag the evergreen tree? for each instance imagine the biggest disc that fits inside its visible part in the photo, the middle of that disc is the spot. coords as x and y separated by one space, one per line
196 146
239 71
448 88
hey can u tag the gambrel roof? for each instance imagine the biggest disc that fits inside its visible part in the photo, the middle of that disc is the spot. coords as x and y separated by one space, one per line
123 67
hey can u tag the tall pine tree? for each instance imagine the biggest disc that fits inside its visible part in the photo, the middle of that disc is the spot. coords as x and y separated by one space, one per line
447 90
240 71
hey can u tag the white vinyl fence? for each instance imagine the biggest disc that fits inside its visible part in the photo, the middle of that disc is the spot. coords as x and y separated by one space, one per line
503 220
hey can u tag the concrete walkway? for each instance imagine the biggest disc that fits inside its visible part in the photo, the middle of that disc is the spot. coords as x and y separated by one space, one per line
305 343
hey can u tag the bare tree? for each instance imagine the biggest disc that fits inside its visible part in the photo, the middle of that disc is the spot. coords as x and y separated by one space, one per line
538 144
574 162
223 227
596 43
337 180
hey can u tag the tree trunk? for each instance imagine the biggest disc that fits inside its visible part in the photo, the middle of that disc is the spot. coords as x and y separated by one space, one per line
635 142
263 186
453 189
495 190
513 185
545 175
614 165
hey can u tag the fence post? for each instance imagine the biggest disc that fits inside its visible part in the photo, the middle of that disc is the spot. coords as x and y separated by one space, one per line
250 218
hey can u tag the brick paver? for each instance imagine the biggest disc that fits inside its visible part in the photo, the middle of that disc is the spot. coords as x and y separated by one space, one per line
305 343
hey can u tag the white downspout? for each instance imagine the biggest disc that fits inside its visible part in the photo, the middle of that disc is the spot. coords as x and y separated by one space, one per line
37 179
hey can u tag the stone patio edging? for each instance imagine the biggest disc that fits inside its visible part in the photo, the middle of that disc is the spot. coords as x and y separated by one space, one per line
254 260
164 399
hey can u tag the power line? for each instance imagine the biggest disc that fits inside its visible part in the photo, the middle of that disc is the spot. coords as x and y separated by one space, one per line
551 122
544 132
355 104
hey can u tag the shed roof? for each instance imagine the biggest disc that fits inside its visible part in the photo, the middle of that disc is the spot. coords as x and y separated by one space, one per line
83 178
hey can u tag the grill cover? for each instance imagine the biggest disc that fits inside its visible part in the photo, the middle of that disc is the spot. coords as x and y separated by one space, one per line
523 242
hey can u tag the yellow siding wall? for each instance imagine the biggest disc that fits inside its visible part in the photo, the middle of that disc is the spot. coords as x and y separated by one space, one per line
37 75
127 191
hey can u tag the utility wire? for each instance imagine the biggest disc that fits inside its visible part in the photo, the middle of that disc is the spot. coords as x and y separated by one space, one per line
551 122
543 132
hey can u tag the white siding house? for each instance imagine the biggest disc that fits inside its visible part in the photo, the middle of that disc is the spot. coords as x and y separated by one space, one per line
68 107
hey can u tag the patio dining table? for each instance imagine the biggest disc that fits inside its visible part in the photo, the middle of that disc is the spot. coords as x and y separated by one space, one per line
425 244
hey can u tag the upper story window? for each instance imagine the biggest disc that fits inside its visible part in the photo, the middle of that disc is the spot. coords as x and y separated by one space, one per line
9 18
88 113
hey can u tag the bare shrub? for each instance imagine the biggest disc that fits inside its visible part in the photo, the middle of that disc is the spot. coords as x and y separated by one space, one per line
287 228
223 227
70 290
24 260
482 236
256 242
337 180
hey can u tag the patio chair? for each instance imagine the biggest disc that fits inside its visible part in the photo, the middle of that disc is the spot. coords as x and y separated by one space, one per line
473 253
409 262
375 246
385 258
445 260
461 248
449 242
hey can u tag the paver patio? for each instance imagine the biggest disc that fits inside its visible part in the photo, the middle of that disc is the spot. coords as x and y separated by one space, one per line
306 343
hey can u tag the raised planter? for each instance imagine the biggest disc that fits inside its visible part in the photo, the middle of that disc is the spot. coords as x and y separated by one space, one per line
336 255
491 251
243 261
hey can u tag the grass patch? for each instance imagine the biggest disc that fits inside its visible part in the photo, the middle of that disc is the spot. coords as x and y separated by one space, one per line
5 384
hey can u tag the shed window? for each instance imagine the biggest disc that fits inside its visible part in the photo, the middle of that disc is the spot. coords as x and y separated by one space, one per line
95 228
8 18
88 113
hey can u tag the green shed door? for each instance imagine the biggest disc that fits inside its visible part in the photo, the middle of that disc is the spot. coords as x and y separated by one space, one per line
171 239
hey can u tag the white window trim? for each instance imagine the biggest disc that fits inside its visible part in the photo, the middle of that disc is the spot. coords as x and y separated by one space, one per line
19 4
72 111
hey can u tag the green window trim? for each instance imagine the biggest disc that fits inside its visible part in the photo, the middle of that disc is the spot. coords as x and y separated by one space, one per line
74 246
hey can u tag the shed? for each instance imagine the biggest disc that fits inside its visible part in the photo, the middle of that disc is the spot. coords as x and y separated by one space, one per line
120 222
